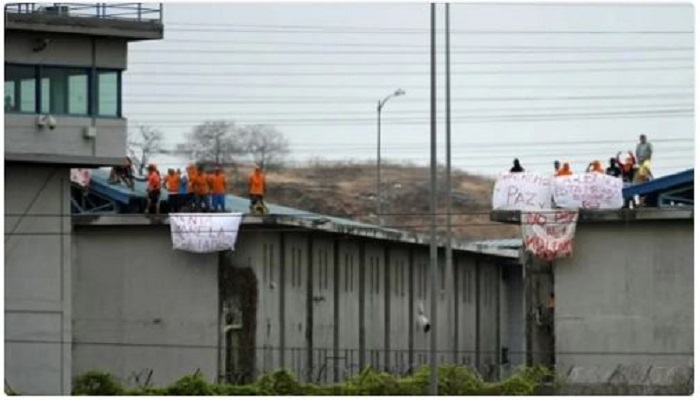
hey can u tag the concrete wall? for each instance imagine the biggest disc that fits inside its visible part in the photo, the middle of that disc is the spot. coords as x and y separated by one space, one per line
37 279
350 314
25 141
515 321
625 299
65 50
138 305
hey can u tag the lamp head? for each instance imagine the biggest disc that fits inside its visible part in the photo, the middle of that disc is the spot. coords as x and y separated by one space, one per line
399 92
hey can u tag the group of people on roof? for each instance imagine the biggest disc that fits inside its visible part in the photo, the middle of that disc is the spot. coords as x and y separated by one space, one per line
635 168
195 190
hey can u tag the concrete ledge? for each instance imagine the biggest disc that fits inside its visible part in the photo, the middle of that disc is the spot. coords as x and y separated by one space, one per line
327 225
128 29
594 216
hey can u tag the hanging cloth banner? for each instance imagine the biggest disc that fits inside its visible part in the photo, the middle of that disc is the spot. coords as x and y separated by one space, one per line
588 191
80 176
204 233
522 191
549 234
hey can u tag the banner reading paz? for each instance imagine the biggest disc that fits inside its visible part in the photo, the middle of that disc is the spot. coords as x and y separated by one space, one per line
204 233
524 191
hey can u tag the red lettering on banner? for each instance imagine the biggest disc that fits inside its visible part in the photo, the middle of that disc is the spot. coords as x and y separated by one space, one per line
536 219
564 216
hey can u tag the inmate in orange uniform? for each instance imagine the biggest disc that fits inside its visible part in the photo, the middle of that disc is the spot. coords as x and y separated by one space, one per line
172 183
200 185
153 189
218 188
256 186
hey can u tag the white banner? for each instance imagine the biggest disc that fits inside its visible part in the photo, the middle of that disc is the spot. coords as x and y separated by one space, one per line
80 176
204 233
549 234
524 191
588 191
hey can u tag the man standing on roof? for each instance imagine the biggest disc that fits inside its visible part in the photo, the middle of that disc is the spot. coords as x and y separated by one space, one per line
153 189
191 175
218 190
595 166
627 167
565 170
200 185
183 194
644 150
517 167
256 188
172 183
613 169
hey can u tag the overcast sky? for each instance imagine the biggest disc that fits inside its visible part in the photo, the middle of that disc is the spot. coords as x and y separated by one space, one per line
316 72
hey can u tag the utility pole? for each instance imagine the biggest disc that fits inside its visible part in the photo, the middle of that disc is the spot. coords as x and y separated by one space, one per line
433 211
449 268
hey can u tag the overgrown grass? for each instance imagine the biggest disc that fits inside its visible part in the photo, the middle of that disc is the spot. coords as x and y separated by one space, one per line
453 380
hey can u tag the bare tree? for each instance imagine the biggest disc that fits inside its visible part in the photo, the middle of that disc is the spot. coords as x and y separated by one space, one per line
263 143
144 143
213 141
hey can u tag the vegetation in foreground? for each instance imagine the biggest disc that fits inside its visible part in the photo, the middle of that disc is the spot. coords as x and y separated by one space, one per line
453 380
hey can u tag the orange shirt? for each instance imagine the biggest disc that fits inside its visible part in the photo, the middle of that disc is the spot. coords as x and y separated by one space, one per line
153 181
218 184
200 184
256 184
173 183
191 175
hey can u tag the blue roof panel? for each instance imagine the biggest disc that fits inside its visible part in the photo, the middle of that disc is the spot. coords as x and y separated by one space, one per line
123 194
659 185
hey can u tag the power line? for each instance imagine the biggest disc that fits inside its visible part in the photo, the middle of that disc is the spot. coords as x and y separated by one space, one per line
476 86
229 52
404 64
403 29
395 73
373 31
463 118
514 118
164 123
227 114
365 99
403 45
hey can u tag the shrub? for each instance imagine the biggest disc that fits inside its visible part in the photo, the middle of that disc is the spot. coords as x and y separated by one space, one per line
280 382
192 385
370 382
524 381
454 380
96 383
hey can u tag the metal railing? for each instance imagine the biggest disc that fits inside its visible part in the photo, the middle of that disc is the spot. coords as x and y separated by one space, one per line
123 11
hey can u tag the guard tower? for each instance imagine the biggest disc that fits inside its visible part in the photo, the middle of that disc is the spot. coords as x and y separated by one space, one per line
63 109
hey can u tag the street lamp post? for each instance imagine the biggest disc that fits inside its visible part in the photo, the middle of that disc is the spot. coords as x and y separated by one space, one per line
380 104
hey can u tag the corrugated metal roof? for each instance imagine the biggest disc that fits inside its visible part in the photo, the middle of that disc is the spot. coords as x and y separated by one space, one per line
119 192
660 185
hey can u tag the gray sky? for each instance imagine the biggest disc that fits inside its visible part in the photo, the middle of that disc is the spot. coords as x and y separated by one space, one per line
316 71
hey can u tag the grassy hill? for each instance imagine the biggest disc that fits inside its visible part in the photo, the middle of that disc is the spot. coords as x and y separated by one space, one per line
348 189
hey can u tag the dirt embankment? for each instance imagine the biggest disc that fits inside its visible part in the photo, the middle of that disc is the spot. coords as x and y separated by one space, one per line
349 190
